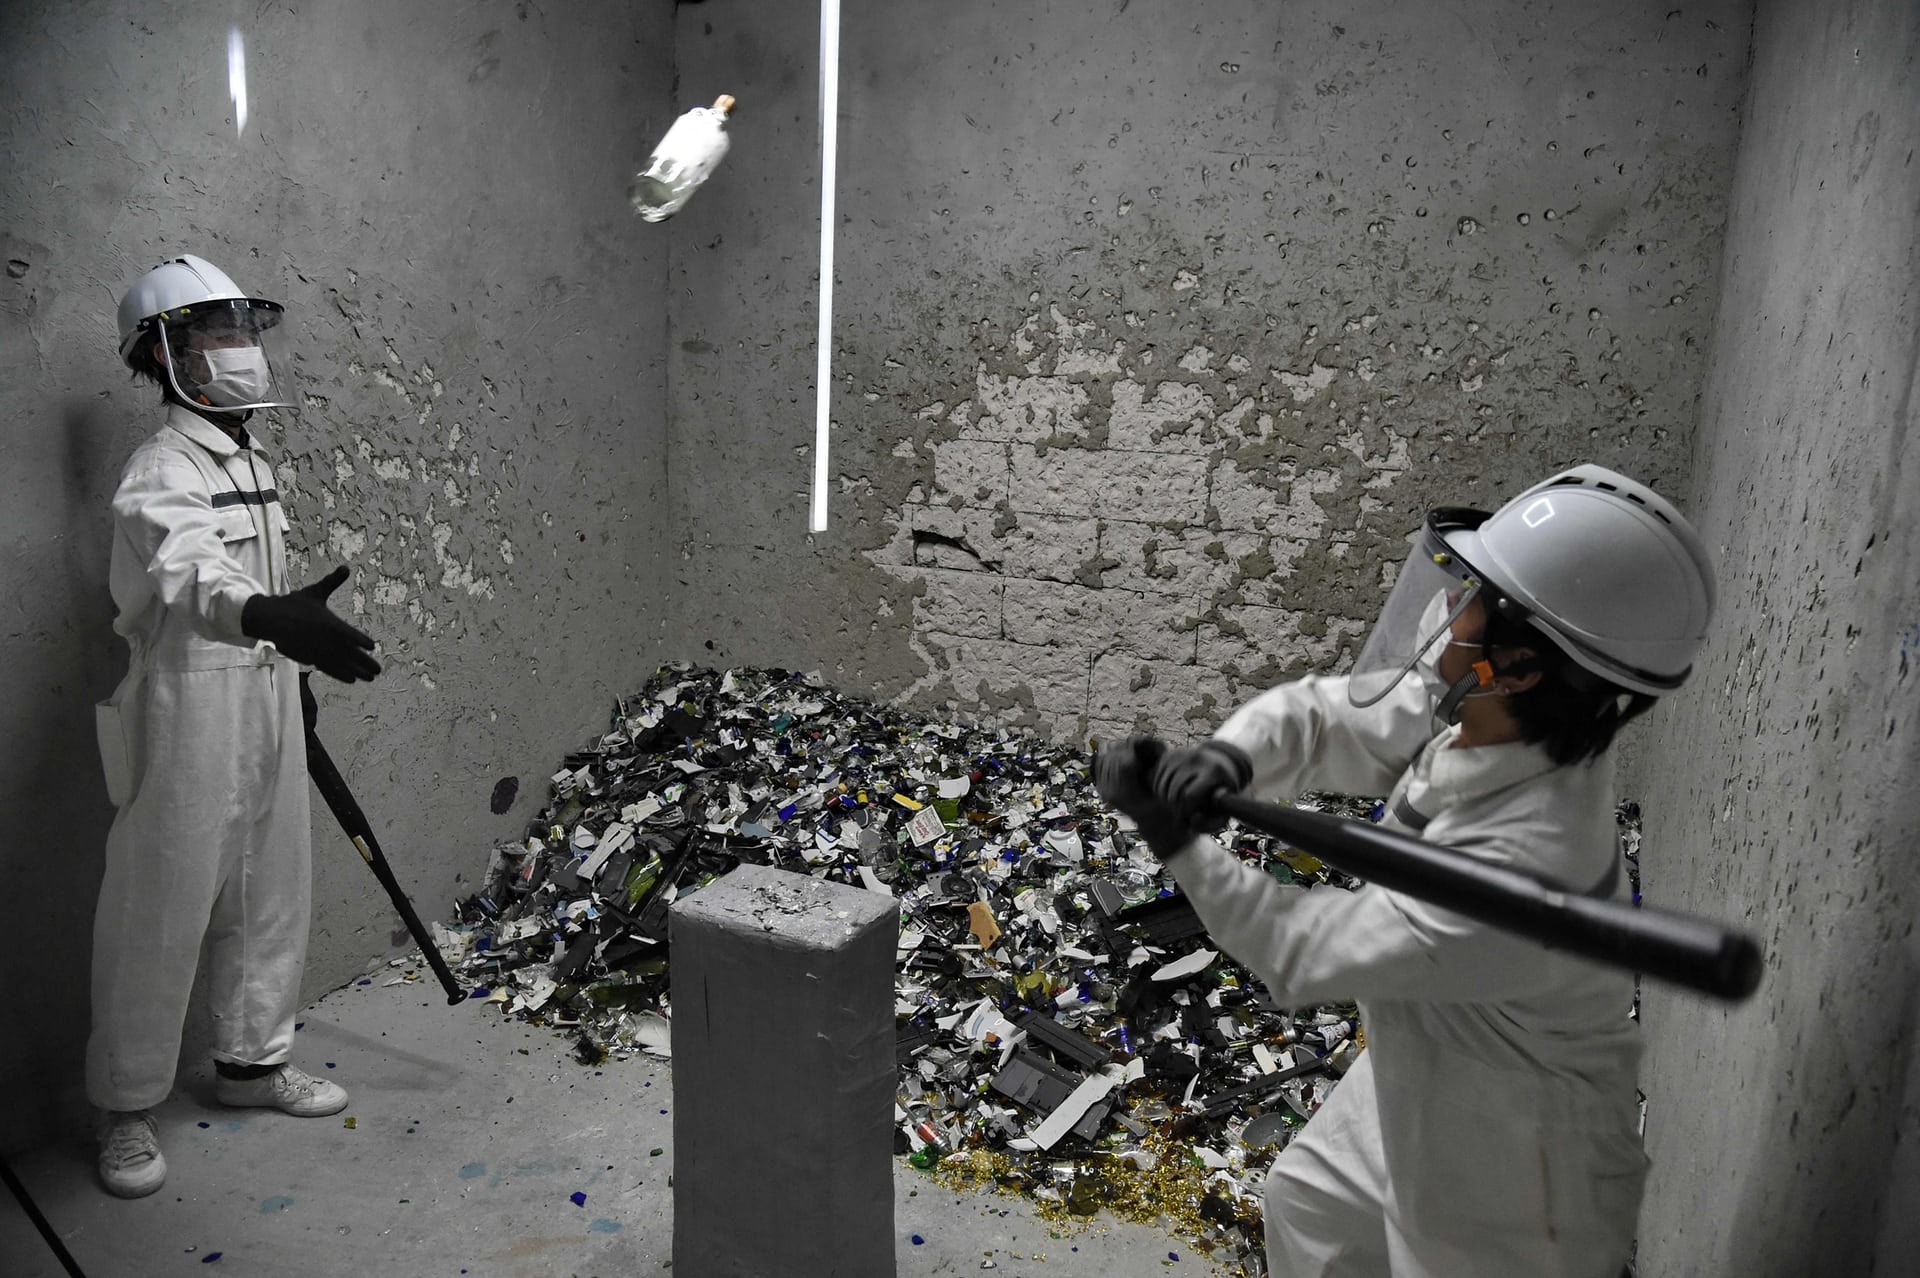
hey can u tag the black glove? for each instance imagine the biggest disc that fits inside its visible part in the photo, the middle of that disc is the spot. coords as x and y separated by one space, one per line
1187 780
304 628
1122 773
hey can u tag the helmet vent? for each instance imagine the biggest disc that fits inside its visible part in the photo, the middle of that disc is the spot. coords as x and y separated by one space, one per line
1604 486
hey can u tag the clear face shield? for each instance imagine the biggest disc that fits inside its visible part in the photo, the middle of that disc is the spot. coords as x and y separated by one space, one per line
225 355
1434 588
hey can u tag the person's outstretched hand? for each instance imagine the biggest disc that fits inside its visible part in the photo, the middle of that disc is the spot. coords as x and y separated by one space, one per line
301 625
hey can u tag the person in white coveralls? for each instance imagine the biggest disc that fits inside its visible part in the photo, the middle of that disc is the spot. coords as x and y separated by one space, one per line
203 743
1491 1125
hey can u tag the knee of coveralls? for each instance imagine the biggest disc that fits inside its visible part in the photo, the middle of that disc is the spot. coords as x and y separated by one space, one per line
1326 1192
1317 1228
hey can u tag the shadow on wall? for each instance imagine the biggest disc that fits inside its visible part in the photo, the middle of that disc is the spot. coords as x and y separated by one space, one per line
54 879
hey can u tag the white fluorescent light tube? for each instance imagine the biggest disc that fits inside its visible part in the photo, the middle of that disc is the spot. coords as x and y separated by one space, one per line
829 146
237 77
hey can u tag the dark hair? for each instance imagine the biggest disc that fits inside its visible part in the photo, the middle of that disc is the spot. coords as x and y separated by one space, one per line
142 361
1572 712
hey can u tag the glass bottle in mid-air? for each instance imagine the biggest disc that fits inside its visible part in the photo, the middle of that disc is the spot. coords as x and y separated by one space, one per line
682 161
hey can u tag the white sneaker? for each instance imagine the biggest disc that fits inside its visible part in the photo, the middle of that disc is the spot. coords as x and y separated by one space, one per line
287 1089
131 1164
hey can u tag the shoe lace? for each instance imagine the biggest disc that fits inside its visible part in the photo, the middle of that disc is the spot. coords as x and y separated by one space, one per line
293 1083
132 1139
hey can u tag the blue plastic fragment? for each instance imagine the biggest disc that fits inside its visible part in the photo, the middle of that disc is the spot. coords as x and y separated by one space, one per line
786 813
210 1257
579 1199
918 1241
480 991
206 1124
1173 1255
1379 810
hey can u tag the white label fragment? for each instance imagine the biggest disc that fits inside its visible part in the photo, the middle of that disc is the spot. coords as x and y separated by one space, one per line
1192 965
925 827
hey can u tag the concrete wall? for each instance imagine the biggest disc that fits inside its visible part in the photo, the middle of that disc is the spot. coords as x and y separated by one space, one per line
1784 1132
1158 324
436 191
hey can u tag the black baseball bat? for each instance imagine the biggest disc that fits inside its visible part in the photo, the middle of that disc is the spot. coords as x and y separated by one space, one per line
333 788
52 1239
1672 947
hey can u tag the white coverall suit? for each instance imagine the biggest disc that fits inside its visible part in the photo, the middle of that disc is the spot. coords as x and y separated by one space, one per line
205 754
1491 1126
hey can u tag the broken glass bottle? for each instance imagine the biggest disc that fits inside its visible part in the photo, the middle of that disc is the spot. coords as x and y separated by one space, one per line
683 160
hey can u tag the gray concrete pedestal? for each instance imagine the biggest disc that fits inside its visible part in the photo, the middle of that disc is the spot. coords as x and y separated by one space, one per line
783 1077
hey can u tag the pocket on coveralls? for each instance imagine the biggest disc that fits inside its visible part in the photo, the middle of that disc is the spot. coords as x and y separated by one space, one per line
116 760
236 523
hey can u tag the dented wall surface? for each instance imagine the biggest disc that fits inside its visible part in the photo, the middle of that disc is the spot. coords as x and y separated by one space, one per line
436 191
1158 325
1786 1133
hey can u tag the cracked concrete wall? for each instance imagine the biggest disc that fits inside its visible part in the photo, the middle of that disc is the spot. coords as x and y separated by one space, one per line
1785 1132
1158 325
436 191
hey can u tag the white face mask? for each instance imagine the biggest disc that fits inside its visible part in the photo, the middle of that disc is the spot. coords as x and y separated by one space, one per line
235 375
1428 666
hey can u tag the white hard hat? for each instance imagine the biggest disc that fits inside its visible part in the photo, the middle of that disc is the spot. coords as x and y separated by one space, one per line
1605 568
187 303
172 289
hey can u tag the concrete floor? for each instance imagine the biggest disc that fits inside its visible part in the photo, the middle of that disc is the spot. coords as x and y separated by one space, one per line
470 1136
